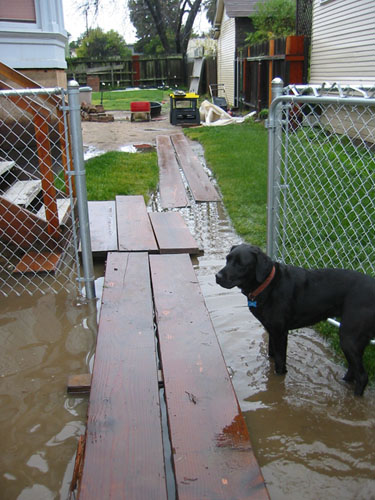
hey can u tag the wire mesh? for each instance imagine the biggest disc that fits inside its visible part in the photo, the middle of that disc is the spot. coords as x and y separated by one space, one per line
38 224
323 191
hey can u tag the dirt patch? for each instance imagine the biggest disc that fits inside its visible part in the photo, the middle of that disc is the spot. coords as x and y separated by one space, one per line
122 132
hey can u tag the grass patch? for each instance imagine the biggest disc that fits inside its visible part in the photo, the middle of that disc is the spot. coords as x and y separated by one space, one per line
330 202
120 100
116 173
237 156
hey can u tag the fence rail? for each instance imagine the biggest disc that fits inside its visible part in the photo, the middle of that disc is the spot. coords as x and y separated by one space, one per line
321 191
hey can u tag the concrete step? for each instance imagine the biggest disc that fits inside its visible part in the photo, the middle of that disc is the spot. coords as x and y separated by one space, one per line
23 192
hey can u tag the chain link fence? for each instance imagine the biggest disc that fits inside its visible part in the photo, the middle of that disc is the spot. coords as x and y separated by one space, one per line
321 192
38 217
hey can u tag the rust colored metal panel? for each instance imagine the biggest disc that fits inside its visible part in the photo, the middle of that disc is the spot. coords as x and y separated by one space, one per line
103 226
133 225
124 450
200 185
171 187
172 233
212 452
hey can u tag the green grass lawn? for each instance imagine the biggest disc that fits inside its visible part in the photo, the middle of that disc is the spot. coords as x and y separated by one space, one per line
237 155
120 100
116 173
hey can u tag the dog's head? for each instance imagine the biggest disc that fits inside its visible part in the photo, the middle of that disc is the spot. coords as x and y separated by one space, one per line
247 266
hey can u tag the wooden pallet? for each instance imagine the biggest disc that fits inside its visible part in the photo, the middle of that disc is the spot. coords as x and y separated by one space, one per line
211 451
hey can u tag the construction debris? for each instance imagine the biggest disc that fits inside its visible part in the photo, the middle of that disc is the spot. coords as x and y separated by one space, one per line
90 113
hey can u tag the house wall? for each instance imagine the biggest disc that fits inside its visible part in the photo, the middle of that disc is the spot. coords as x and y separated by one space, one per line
33 38
226 51
343 42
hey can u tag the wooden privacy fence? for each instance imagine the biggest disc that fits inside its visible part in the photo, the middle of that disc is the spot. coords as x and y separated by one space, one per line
132 72
284 58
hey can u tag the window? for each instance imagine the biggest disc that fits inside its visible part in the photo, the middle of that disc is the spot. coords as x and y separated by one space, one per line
18 11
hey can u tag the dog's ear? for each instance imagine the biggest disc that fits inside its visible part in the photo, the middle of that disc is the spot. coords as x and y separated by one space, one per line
263 266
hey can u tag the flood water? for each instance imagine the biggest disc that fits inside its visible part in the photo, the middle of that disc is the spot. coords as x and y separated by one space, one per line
313 439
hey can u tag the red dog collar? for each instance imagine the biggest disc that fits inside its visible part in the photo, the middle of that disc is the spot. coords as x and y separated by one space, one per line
264 285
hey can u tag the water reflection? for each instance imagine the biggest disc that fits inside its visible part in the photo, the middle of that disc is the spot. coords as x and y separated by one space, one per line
43 341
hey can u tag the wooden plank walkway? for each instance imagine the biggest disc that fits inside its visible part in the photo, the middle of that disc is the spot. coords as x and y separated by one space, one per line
103 226
124 452
172 233
171 187
212 453
133 225
200 185
125 225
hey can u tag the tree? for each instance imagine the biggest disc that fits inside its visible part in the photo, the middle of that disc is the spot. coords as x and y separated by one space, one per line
273 19
210 6
171 20
98 44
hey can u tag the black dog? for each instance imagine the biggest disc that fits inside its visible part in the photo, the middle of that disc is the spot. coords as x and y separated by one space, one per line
285 297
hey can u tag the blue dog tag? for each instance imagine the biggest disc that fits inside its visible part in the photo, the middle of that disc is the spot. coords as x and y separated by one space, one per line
251 303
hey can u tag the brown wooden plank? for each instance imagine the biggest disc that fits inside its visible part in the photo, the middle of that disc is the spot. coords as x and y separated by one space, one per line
133 225
38 262
124 451
103 226
172 233
200 185
212 453
79 383
171 187
19 226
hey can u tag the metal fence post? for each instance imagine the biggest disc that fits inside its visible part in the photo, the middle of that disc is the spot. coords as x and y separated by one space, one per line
80 179
274 161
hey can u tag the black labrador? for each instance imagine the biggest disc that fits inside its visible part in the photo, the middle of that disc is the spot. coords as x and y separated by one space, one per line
286 297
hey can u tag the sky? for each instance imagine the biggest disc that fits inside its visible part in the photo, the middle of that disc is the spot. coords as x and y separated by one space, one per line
113 14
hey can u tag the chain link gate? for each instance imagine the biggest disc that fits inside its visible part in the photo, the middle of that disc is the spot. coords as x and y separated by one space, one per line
321 185
39 223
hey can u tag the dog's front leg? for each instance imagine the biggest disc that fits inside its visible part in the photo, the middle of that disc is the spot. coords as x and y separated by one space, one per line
278 345
271 349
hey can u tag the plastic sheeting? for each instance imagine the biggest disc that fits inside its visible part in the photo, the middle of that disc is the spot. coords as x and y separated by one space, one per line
212 115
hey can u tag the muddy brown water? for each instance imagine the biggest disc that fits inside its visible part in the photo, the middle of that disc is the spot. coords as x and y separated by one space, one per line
313 439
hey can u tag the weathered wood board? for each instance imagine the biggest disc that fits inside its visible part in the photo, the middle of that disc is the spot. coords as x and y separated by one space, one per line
212 453
124 451
133 225
200 185
172 233
103 226
171 187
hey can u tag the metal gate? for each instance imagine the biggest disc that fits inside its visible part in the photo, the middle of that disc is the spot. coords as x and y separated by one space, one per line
43 202
321 184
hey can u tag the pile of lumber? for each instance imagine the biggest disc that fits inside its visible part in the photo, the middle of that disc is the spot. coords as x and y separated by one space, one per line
90 113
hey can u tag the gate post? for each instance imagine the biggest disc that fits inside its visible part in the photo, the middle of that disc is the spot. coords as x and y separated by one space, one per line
274 162
80 181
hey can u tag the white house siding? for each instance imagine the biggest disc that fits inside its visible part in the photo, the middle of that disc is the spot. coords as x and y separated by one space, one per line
226 56
37 43
343 42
